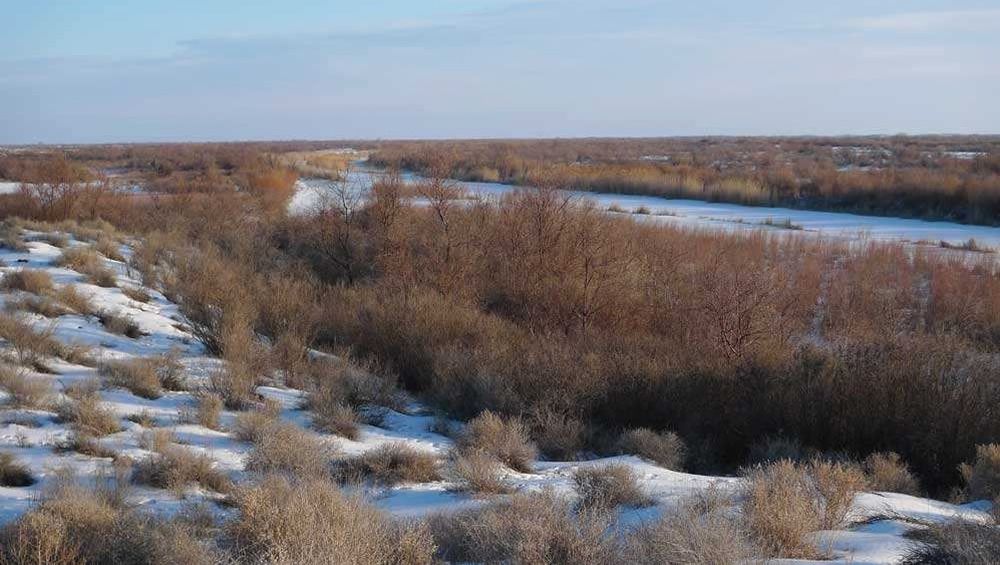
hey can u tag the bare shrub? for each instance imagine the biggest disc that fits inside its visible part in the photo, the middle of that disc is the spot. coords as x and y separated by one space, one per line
87 414
25 391
86 444
41 305
137 375
81 258
206 411
27 280
55 239
252 424
666 449
506 440
157 440
982 477
237 381
284 522
288 449
109 248
72 525
390 464
785 502
13 473
691 535
68 295
608 487
136 293
121 324
887 472
527 528
479 473
557 435
174 467
335 419
777 448
336 385
957 542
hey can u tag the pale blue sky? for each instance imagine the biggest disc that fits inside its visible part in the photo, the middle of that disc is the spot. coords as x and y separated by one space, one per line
117 70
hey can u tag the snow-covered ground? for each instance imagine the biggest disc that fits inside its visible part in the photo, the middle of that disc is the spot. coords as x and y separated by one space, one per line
716 216
33 435
7 187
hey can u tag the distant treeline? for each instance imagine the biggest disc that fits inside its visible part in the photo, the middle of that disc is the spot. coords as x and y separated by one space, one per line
934 177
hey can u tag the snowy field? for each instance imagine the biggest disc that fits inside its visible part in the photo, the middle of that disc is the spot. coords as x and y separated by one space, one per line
35 436
715 216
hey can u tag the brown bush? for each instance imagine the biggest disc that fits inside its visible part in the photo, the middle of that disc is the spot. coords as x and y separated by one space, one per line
27 280
390 464
41 305
887 472
666 449
68 295
174 467
784 502
281 521
252 424
207 410
479 472
982 477
527 528
691 534
558 436
506 440
288 449
137 375
608 487
88 416
25 391
13 473
121 324
136 293
110 249
959 542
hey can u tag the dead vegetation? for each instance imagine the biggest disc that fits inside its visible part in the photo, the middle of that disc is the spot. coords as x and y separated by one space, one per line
505 440
390 464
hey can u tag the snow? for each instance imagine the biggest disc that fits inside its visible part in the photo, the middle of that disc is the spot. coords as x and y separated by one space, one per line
33 435
7 187
716 216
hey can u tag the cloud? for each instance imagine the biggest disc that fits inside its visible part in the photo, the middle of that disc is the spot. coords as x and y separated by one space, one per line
941 21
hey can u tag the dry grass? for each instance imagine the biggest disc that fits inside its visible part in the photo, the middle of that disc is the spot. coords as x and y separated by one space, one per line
85 260
691 534
41 305
506 440
288 449
87 414
72 525
479 473
609 486
206 411
55 239
136 293
252 424
27 280
335 419
666 449
13 473
30 345
121 324
174 467
109 248
342 393
527 528
982 477
138 375
390 464
74 299
558 436
312 522
785 502
25 390
887 472
85 444
955 543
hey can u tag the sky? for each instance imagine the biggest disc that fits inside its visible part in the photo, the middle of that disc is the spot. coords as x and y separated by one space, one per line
92 71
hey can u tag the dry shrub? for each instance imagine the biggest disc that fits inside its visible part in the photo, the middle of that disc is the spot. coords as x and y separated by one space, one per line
390 464
121 324
691 534
609 486
157 440
785 502
137 375
887 472
25 391
526 529
174 467
87 414
82 259
27 280
506 440
958 542
982 477
72 525
288 449
237 381
479 473
335 419
74 299
41 305
13 473
136 293
342 392
30 345
55 239
85 444
109 248
558 436
666 449
251 424
772 449
313 523
207 410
